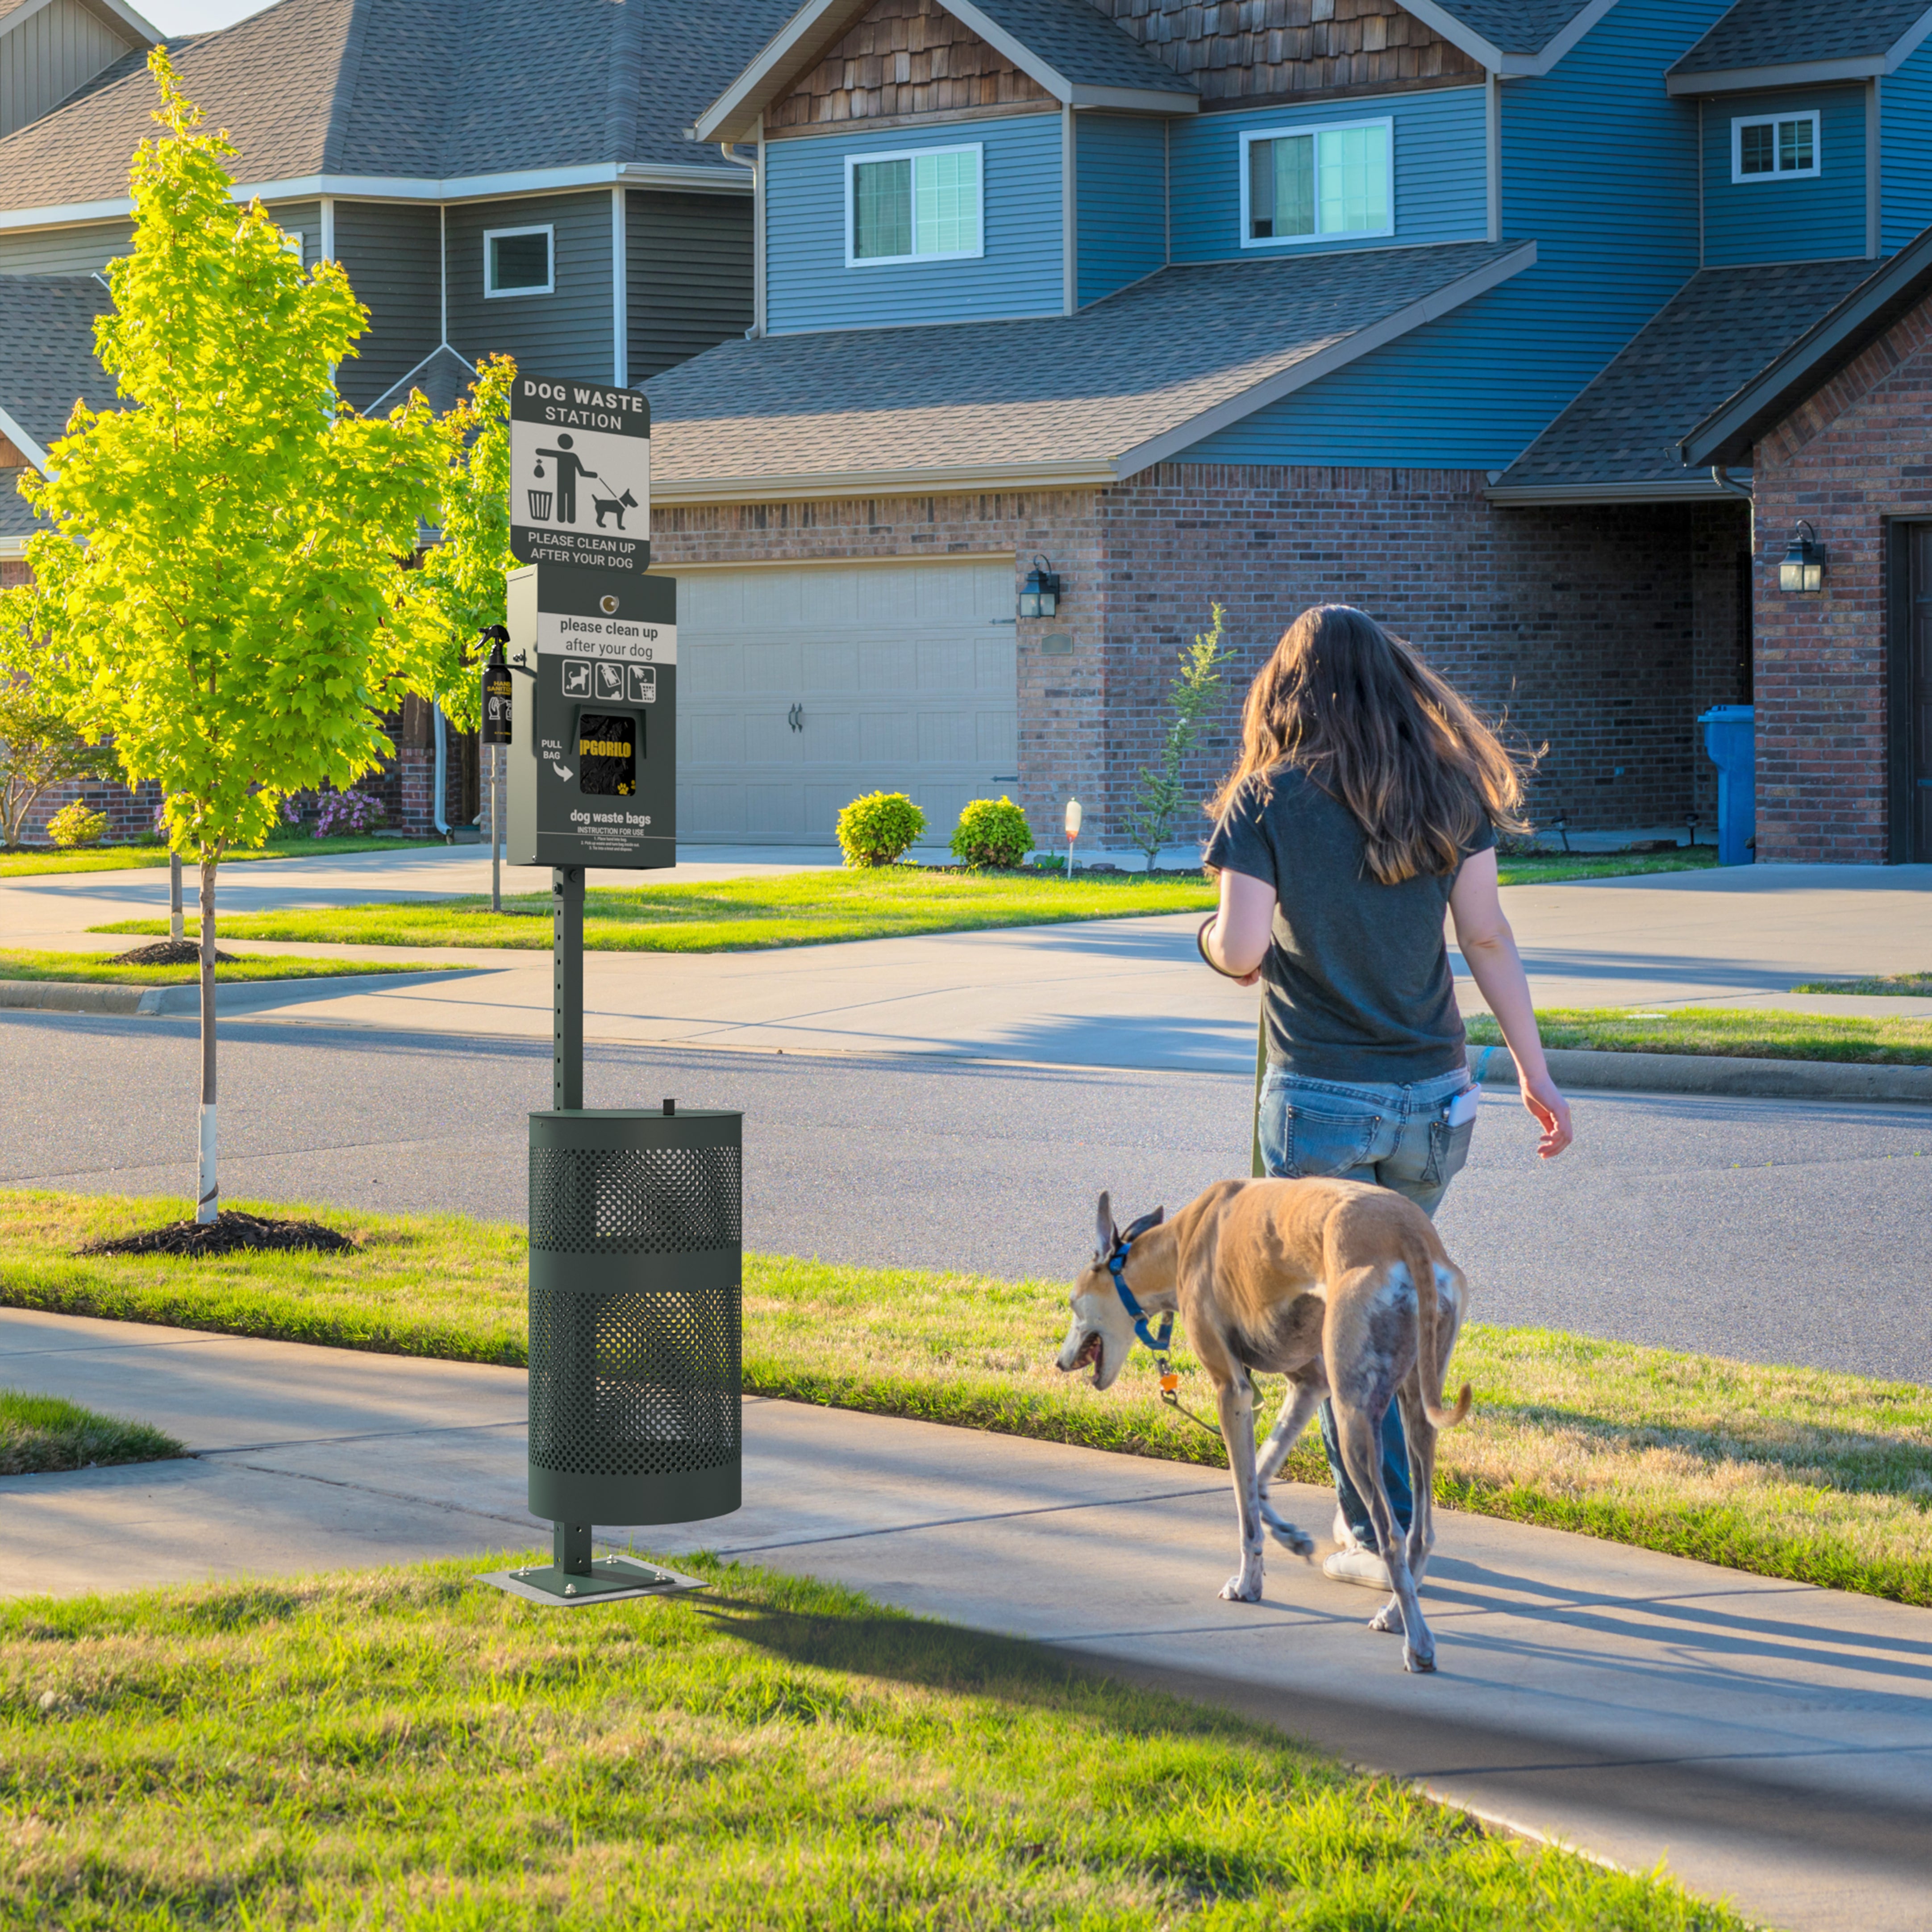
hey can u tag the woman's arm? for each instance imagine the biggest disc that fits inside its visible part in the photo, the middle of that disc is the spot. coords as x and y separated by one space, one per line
1489 946
1237 940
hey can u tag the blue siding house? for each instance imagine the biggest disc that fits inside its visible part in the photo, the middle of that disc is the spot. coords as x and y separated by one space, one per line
1411 309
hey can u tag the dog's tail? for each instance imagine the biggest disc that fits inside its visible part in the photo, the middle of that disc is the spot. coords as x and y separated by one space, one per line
1428 1319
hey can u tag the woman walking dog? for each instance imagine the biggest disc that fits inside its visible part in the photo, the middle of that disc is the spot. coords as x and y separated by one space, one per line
1365 802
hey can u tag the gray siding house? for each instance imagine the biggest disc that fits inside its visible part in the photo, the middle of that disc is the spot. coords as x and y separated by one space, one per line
495 175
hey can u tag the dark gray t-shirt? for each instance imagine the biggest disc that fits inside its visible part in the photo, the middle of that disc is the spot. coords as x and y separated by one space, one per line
1356 984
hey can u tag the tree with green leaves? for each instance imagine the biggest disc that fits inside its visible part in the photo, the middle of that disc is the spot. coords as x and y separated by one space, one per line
40 751
226 591
1160 792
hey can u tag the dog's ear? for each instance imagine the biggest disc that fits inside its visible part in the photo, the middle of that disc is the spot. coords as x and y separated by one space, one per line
1104 1232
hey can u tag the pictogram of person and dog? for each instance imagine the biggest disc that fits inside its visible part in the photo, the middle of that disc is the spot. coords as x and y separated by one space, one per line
569 466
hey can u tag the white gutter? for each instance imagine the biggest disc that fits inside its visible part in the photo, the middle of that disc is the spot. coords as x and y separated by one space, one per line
403 188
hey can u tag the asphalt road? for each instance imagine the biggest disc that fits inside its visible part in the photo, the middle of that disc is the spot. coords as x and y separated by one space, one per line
1767 1230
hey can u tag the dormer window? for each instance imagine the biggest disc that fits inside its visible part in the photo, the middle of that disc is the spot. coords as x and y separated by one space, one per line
923 205
1301 184
1774 147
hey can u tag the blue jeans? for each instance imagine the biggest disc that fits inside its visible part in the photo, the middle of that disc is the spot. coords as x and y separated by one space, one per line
1391 1136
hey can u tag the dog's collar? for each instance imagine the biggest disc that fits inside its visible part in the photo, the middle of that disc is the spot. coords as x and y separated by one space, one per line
1116 1267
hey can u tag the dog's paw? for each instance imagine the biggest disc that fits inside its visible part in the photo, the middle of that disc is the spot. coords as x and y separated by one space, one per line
1422 1662
1242 1588
1285 1534
1388 1618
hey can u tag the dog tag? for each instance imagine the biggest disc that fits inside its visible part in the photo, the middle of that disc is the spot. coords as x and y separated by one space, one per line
1461 1110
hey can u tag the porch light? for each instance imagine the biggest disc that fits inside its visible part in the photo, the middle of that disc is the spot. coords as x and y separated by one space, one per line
1803 568
1039 596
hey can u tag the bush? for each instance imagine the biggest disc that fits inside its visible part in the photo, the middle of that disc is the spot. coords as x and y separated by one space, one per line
878 829
74 825
344 814
992 832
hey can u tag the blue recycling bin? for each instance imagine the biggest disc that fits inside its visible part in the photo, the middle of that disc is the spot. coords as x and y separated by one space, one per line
1730 737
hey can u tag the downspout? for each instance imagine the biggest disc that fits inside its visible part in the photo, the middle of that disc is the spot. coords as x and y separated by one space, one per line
1720 474
442 817
728 149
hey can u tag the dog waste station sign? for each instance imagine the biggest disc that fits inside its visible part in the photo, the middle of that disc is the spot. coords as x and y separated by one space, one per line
634 1213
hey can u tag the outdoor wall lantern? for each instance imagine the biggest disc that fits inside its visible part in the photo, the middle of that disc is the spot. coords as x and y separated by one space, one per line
1803 565
1039 596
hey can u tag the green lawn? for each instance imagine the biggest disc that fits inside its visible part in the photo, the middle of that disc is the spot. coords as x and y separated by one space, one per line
1789 1472
97 968
127 858
1743 1034
1895 985
39 1433
407 1747
811 908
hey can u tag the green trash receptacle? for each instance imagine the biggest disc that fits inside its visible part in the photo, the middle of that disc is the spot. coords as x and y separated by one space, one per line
636 1319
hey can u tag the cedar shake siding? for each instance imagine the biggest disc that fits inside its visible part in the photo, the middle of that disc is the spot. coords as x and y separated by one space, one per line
906 57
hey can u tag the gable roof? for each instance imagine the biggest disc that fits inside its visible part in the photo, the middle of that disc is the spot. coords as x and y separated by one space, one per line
1071 49
1784 43
1618 442
116 12
1512 36
1088 399
46 357
1768 394
425 99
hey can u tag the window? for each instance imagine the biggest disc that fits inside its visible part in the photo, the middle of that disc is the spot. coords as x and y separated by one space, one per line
923 207
1308 183
1774 147
518 261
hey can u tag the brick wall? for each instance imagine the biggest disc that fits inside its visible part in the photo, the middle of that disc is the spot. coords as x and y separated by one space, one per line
1853 455
1584 625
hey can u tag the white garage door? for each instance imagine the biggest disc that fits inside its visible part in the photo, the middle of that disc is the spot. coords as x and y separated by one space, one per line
799 688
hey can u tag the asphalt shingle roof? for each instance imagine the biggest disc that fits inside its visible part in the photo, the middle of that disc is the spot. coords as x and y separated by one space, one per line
1084 45
1719 330
423 88
1517 26
1779 33
46 351
16 520
1086 388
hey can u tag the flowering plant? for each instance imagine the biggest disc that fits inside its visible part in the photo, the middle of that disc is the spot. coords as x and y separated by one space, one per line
345 813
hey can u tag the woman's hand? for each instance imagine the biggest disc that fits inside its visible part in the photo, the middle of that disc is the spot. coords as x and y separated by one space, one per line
1552 1112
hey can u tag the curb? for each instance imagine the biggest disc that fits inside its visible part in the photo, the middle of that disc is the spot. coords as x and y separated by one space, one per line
69 996
1714 1075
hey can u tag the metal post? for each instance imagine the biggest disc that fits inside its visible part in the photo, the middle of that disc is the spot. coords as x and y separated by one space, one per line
566 890
175 926
496 835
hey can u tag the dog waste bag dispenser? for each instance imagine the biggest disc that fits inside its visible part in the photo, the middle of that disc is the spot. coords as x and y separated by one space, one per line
635 1243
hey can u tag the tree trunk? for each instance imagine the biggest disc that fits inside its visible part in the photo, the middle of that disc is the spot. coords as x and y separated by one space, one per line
209 1206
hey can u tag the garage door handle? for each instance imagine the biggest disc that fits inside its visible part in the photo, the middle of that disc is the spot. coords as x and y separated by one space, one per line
795 717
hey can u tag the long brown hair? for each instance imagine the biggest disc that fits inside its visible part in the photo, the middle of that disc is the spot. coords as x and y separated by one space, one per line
1359 711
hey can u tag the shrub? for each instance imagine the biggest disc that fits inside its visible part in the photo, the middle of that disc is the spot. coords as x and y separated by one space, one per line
74 825
345 813
878 829
992 832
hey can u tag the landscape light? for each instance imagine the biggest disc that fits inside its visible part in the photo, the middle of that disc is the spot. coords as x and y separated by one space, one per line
1803 568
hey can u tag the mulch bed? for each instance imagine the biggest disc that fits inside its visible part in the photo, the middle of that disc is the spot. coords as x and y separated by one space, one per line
229 1234
169 952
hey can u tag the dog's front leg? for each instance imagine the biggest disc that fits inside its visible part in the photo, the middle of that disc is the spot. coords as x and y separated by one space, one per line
1301 1402
1237 1403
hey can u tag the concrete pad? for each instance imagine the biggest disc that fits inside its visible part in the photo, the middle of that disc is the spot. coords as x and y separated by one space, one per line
1767 1740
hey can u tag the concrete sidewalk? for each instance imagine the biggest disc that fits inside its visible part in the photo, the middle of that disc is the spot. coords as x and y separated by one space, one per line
1770 1741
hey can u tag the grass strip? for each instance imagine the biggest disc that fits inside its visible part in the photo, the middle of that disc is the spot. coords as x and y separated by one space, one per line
811 908
1892 985
39 1433
97 969
405 1747
1796 1473
34 863
1743 1034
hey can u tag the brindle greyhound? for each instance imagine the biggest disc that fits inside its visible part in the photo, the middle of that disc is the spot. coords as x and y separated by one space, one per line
1344 1288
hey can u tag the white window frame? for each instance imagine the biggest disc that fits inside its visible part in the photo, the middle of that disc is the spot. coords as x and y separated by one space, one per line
854 162
1773 121
1386 122
546 228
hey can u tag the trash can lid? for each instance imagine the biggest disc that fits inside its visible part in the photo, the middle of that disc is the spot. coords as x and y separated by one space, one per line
1729 714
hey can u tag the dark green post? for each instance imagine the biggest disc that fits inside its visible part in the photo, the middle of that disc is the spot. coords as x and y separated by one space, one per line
566 894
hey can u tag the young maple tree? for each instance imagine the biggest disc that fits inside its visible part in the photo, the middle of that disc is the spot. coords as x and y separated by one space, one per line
39 749
226 591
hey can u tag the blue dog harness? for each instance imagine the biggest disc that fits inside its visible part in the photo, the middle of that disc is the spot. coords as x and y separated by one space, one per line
1116 1267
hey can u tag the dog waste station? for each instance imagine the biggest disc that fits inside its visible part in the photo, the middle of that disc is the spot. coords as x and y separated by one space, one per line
635 1217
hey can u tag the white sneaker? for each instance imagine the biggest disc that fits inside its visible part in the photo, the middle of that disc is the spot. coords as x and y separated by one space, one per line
1357 1565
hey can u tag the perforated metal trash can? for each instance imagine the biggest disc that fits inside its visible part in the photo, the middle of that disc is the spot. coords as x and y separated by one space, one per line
636 1316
